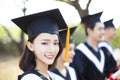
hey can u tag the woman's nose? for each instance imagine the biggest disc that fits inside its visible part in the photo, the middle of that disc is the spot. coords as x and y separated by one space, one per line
51 48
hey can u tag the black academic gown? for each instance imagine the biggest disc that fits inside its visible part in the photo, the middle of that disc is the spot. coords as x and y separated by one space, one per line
110 64
58 73
85 68
70 74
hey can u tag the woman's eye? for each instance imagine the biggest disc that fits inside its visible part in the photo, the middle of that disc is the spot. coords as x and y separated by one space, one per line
57 43
70 49
44 43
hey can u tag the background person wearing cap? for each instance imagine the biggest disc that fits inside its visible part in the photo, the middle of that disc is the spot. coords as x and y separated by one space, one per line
65 71
105 45
110 31
109 35
43 45
89 60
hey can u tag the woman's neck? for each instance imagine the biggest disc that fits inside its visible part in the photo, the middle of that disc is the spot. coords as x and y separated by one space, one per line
60 66
42 68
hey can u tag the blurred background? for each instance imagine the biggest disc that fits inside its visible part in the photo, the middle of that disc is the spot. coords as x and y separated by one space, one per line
12 39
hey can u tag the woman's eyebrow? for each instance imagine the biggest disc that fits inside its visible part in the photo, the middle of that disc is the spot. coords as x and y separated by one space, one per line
49 40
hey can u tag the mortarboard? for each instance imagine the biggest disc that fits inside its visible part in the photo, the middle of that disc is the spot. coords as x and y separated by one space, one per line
48 21
109 24
63 34
91 19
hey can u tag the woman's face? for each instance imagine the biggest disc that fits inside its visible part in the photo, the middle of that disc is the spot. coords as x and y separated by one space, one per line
71 52
45 47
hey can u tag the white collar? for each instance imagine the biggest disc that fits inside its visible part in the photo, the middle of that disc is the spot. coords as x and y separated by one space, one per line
99 64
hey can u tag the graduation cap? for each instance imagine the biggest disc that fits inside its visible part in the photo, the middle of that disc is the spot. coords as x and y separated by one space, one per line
91 19
63 34
66 38
109 24
48 21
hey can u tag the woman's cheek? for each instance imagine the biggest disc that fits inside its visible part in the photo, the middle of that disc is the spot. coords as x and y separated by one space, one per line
57 49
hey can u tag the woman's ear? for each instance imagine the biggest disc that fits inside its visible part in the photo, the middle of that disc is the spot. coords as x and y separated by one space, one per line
30 46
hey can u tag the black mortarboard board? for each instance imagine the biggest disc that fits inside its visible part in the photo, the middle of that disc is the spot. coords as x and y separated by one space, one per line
48 21
91 19
63 34
109 24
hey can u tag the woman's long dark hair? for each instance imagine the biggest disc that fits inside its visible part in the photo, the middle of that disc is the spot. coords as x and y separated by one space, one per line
28 62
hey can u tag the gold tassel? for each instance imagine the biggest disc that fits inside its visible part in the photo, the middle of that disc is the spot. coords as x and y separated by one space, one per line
67 45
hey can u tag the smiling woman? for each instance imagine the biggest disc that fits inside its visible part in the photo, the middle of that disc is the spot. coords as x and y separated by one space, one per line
43 46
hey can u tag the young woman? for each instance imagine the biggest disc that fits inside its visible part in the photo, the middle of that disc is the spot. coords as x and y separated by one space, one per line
43 45
65 71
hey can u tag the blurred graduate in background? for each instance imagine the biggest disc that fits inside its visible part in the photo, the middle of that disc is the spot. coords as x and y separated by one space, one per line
109 35
65 71
89 61
106 46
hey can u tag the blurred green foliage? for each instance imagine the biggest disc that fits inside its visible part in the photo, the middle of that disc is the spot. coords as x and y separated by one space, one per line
6 44
116 41
79 35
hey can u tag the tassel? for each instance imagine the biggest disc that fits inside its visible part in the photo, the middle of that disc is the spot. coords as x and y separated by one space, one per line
67 45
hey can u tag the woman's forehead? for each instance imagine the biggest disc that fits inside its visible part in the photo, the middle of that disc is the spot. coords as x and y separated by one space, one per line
47 36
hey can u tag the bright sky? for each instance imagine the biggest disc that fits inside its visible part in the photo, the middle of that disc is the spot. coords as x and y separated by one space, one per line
12 8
